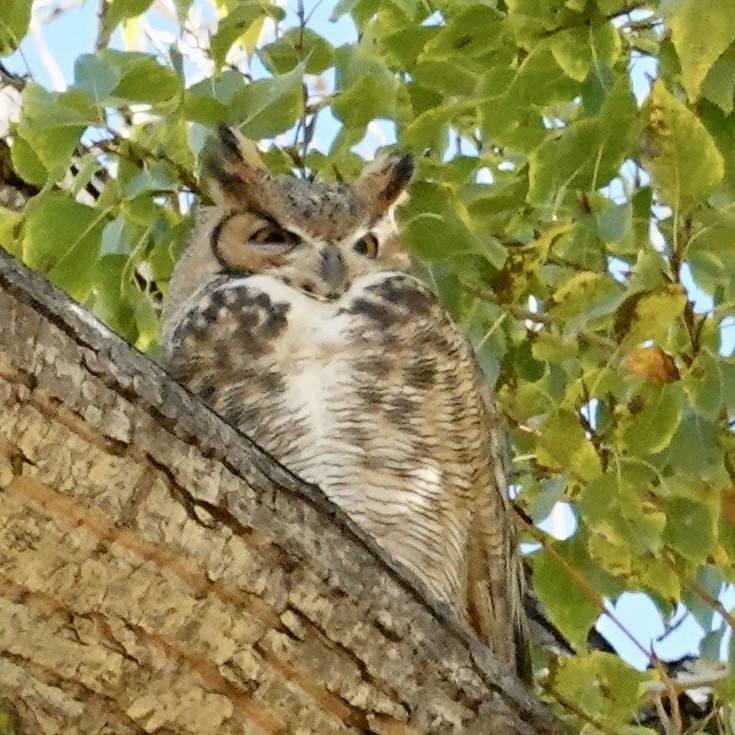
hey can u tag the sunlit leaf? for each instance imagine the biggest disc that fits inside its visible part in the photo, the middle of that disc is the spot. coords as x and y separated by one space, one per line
14 22
684 161
236 24
269 106
649 315
52 124
579 49
366 89
61 239
699 37
602 685
120 10
295 46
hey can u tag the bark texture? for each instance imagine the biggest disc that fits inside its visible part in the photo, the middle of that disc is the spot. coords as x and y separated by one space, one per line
161 574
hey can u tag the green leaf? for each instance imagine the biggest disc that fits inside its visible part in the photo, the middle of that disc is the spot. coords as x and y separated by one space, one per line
430 128
563 597
534 19
452 61
623 522
366 88
696 451
269 106
433 225
207 101
703 385
720 127
61 238
406 44
683 160
95 76
587 153
691 528
154 178
9 228
182 9
553 348
563 444
719 84
512 103
14 22
448 78
711 581
648 426
472 33
27 163
115 295
579 50
602 685
246 15
142 78
52 124
146 320
298 45
700 35
119 10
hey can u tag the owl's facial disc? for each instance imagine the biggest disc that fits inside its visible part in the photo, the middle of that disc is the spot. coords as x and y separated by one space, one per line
246 243
249 244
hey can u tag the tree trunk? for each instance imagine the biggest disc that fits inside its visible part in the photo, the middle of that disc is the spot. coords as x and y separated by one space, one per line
159 573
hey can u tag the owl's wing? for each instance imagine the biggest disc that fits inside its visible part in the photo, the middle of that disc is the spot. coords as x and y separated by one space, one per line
495 570
456 526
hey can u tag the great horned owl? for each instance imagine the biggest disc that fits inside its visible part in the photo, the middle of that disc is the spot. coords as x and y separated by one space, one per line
293 314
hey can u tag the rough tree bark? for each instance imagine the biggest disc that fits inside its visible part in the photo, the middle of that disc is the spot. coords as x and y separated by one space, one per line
159 573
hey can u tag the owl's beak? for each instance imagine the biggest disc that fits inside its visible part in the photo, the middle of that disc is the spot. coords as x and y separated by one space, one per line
332 267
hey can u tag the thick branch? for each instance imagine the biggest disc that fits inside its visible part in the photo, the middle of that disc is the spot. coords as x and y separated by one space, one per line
160 573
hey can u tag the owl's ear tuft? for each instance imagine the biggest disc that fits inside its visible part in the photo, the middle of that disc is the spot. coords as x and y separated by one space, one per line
384 180
232 162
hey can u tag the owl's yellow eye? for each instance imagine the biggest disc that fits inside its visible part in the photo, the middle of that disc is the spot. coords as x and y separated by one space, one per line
367 245
272 235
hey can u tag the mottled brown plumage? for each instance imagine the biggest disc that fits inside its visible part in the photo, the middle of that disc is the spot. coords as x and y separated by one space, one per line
293 315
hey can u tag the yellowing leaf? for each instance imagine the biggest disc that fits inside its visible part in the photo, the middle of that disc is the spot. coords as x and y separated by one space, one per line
649 315
14 20
727 506
652 364
601 684
701 31
586 296
684 162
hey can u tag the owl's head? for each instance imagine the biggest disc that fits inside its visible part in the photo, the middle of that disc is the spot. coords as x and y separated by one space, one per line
316 236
